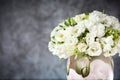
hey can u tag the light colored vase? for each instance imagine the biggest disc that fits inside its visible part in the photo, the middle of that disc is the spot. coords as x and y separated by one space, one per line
100 68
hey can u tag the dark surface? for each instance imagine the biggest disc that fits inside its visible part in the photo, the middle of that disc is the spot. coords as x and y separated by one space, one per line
25 27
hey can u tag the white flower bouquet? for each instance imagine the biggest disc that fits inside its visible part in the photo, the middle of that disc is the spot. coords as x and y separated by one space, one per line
87 35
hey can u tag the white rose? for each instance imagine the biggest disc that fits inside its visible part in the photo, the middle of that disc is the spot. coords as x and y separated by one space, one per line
110 20
98 30
112 52
94 49
78 29
70 37
96 16
90 38
51 46
64 50
108 40
78 18
88 24
71 40
60 35
69 32
82 47
107 48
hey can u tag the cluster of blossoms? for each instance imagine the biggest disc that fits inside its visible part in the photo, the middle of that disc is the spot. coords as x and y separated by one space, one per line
87 34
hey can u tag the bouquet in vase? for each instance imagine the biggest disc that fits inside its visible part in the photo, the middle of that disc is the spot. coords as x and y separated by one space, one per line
88 41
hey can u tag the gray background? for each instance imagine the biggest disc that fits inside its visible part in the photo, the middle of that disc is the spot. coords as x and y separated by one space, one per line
25 27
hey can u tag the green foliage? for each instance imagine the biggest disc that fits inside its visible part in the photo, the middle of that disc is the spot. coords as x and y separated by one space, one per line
85 71
60 42
82 71
112 31
62 27
70 22
81 37
86 16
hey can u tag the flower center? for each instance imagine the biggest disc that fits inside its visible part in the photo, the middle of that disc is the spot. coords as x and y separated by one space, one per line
61 36
94 49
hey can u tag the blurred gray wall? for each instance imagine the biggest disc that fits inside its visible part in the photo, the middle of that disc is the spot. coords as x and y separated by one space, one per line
25 27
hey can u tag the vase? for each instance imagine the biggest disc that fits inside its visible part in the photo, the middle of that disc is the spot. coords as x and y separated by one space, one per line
98 68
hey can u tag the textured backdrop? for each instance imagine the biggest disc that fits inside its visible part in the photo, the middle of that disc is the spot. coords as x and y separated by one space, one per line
25 27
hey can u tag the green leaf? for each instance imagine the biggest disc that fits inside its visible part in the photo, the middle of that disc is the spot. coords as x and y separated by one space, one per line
62 27
113 46
70 22
81 37
102 46
52 38
85 71
112 31
86 13
60 42
76 51
66 23
86 16
78 67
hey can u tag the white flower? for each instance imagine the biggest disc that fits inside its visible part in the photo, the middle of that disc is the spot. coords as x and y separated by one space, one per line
64 50
51 46
82 47
112 52
98 30
60 35
108 40
90 38
71 40
78 29
89 24
78 18
66 38
68 32
110 20
94 49
96 16
107 48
